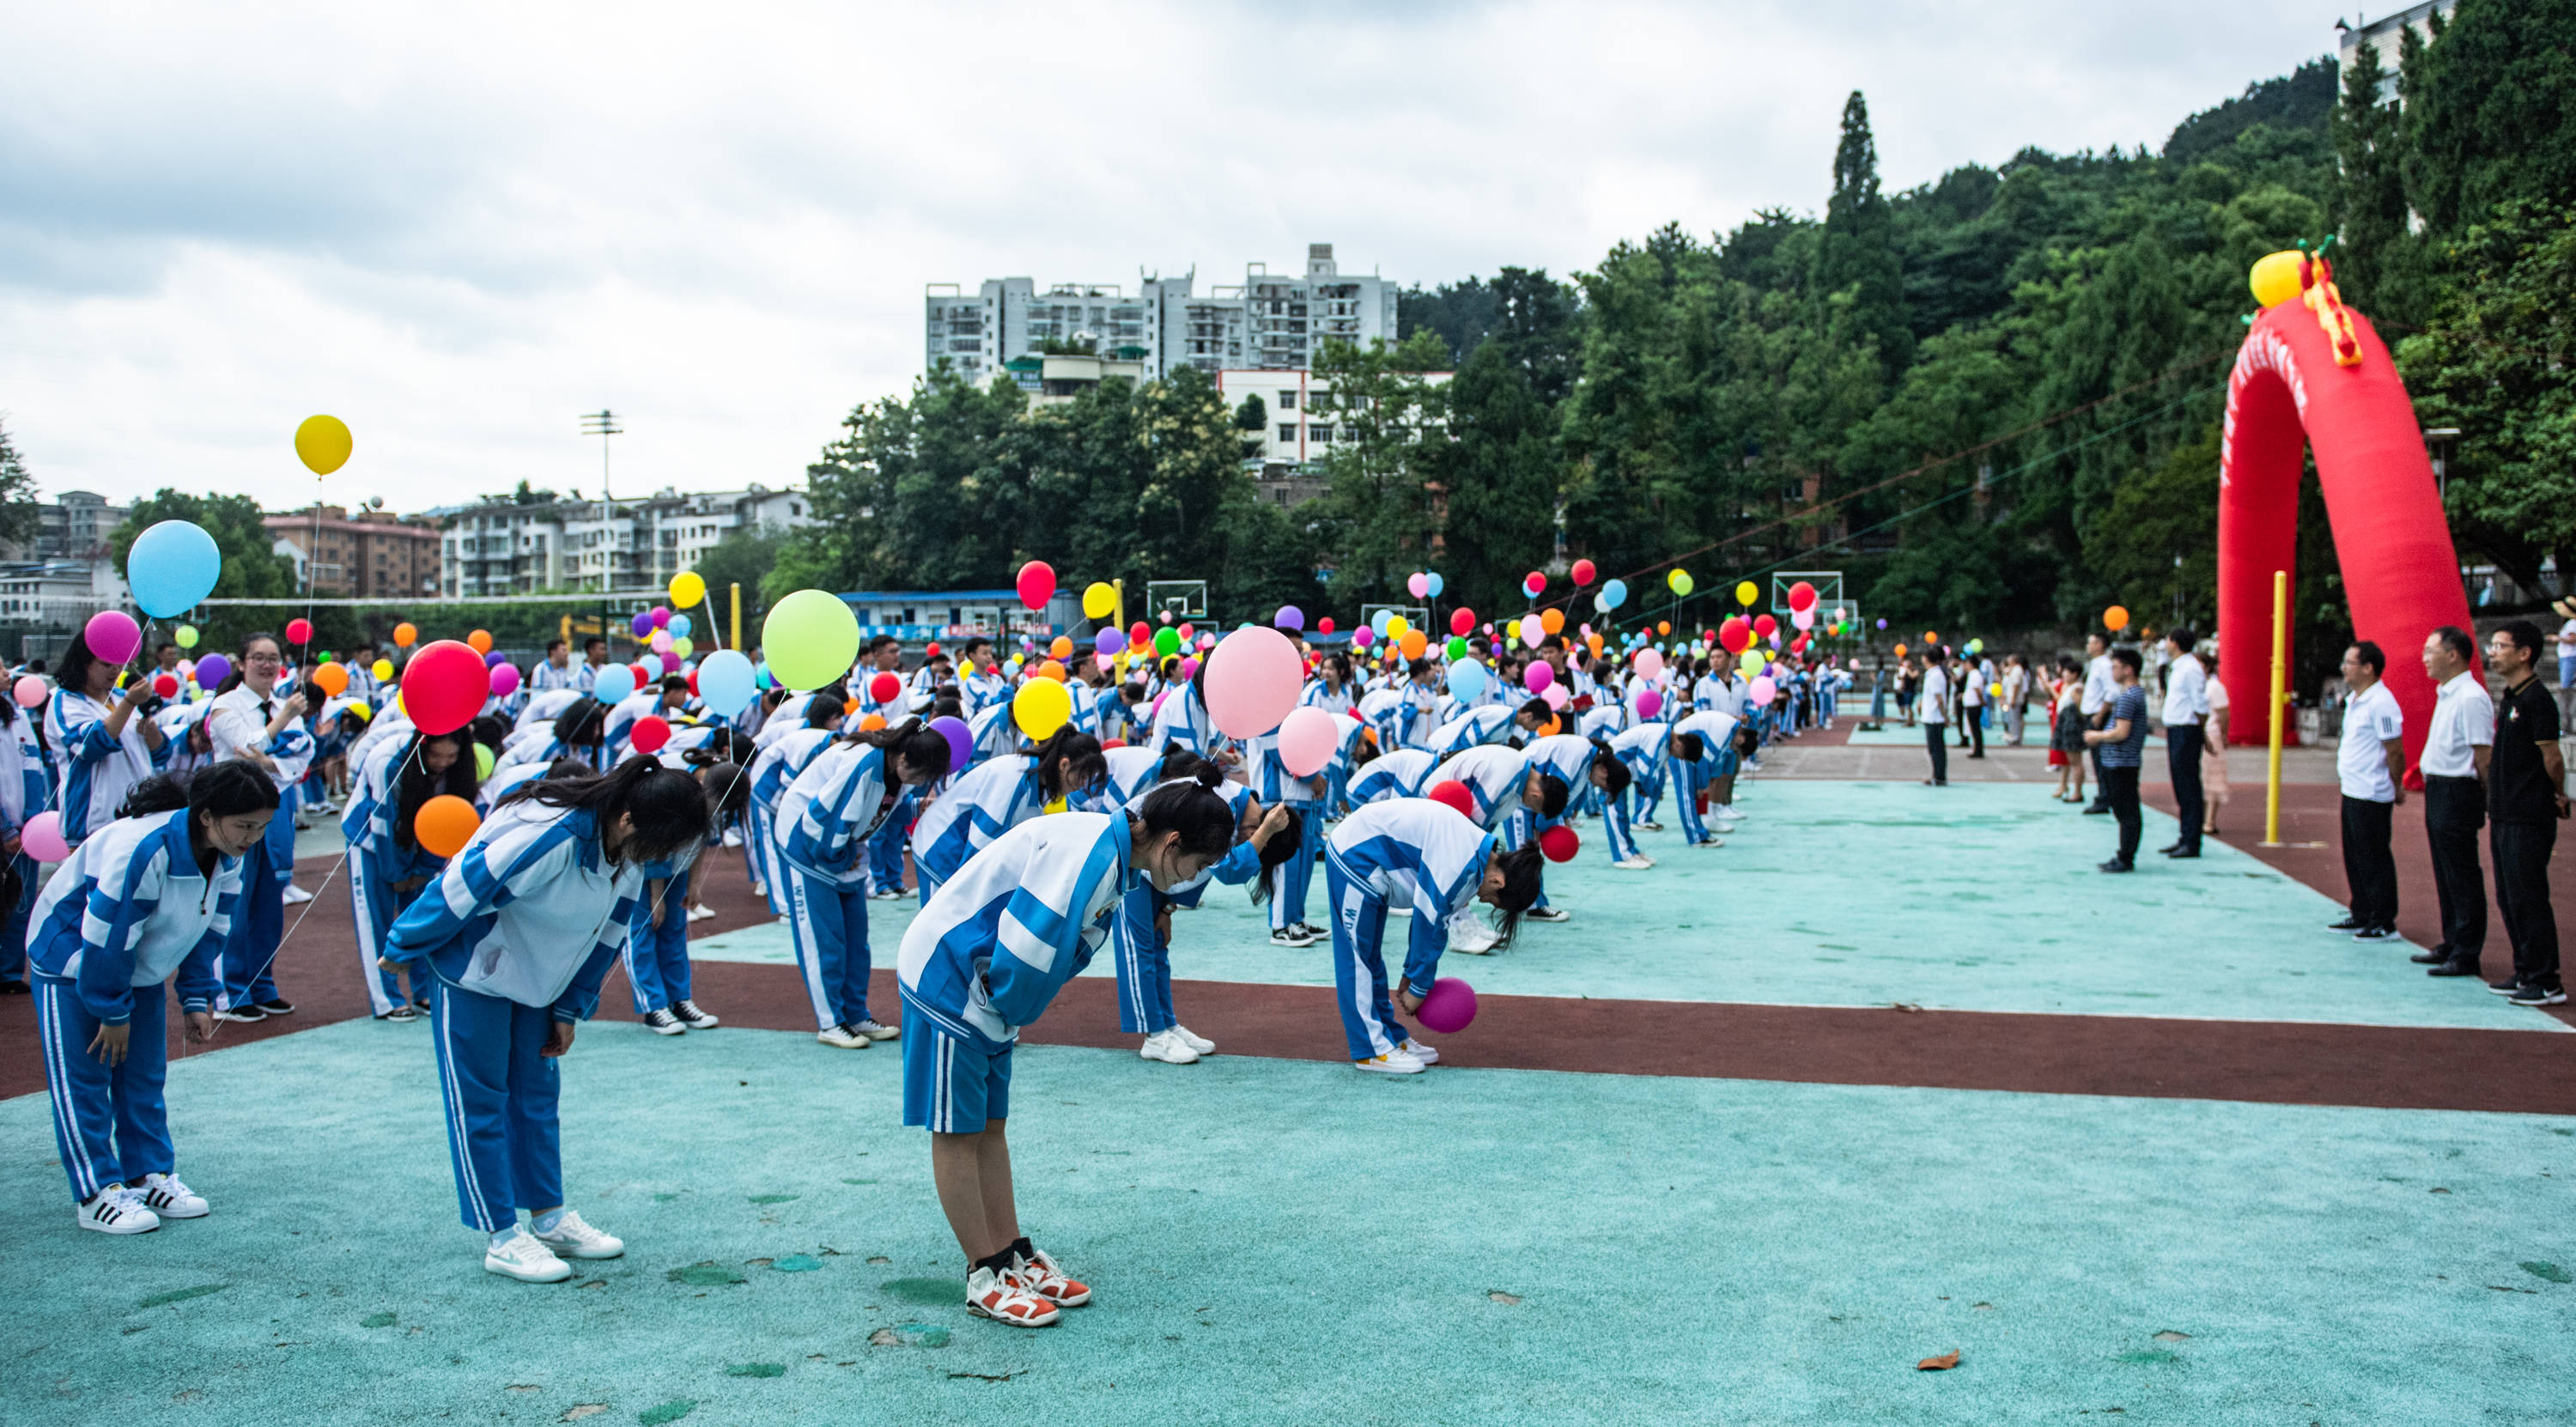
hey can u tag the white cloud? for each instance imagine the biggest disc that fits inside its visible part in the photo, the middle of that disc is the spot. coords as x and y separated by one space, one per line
458 226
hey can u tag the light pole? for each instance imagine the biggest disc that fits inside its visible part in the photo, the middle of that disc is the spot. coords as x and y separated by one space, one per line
603 424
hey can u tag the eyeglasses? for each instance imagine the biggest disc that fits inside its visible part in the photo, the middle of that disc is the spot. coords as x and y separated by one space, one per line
263 659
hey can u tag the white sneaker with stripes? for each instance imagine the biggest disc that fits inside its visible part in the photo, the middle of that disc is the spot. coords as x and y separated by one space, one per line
164 1195
116 1210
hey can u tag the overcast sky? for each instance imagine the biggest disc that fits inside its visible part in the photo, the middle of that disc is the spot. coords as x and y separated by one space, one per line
459 226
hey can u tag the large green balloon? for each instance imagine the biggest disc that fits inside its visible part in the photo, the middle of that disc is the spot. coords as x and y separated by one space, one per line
810 638
1167 640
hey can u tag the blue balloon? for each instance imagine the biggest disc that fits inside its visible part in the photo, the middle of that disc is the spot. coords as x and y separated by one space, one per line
679 626
1467 680
727 682
1434 583
1377 623
171 567
1614 594
616 681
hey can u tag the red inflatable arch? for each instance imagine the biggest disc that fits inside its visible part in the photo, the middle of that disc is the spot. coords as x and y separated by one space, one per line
2400 573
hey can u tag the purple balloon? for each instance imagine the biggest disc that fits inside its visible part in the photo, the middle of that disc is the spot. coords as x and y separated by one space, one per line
1108 644
213 670
961 739
505 679
642 624
1290 618
495 659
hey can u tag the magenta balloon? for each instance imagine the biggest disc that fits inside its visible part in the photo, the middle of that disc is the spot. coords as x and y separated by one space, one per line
1252 681
661 616
505 679
1449 1007
1307 740
1538 676
112 635
1649 703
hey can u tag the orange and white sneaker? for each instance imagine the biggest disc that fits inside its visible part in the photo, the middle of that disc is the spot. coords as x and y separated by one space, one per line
1038 1274
1002 1298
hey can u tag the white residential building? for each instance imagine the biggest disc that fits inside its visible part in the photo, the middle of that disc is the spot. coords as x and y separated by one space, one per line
2382 35
1273 321
1299 428
632 546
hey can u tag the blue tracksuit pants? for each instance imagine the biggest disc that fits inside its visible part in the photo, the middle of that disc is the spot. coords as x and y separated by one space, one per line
885 850
657 954
247 969
1359 956
1290 879
829 920
110 1122
1144 965
503 1140
1687 786
13 931
1618 826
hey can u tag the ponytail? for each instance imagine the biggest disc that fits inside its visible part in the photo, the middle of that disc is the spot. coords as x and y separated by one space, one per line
1521 869
1069 759
910 742
669 810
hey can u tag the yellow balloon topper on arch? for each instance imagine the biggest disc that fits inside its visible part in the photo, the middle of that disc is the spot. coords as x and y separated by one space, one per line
2275 278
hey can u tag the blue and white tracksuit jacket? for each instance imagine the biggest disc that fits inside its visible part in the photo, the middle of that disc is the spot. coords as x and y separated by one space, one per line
1405 773
520 927
1495 777
377 860
988 800
128 911
777 764
97 770
1491 723
1411 850
824 821
1641 750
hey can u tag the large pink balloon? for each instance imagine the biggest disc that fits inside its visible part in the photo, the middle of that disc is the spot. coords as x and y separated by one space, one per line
1252 681
1763 690
1306 741
29 691
112 635
42 837
1649 663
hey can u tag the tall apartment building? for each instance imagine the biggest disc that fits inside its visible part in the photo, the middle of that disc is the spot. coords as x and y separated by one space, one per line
631 547
371 554
1271 322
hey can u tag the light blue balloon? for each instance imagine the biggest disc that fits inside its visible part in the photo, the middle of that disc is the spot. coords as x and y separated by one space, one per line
616 681
171 567
1434 583
1377 625
727 681
1614 594
1467 680
680 626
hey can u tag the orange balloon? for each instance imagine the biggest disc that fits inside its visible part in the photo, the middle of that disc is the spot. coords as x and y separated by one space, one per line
1554 727
872 723
1663 626
2115 618
1552 620
1051 669
1931 637
1593 643
480 640
1900 651
443 824
848 707
1415 641
333 678
404 634
1062 648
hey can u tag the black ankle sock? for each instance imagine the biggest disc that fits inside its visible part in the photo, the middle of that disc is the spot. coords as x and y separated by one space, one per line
998 1263
1020 1248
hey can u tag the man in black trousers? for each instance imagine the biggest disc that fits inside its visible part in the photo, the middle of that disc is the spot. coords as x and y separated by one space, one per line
2527 795
1934 700
2370 764
2457 746
2186 704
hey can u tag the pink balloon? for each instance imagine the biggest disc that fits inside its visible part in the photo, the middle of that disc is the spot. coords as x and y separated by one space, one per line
1763 690
1307 739
29 691
1554 696
1649 703
1538 676
1649 663
1362 637
112 635
1418 585
505 680
1805 618
42 837
1252 681
670 662
1449 1007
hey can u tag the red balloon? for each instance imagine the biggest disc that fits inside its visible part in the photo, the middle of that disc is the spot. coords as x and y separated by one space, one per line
646 676
1449 792
1140 634
1037 583
444 686
1324 625
1109 743
1462 621
648 734
1764 624
884 687
299 631
1583 572
1735 634
1559 843
167 686
1534 581
1802 595
930 651
693 682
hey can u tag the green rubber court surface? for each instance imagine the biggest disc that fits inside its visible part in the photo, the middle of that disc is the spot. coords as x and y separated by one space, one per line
1892 732
1976 897
1287 1242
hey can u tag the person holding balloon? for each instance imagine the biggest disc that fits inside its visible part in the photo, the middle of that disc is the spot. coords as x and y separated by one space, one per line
519 930
103 747
389 863
825 819
1433 858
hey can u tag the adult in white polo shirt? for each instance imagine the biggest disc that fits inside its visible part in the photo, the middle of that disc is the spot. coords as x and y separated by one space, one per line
2457 745
2371 764
2186 704
2099 688
1935 703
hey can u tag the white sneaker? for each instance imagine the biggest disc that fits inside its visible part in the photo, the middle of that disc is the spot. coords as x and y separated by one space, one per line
1398 1061
1652 827
165 1196
843 1038
1194 1040
116 1210
520 1256
663 1023
1000 1297
1474 938
733 837
1291 936
1710 841
700 914
573 1239
294 894
876 1031
1403 911
1167 1048
690 1016
1428 1055
1633 864
887 894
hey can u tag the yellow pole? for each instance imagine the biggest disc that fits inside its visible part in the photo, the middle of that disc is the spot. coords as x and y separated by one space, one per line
2280 704
737 614
1120 614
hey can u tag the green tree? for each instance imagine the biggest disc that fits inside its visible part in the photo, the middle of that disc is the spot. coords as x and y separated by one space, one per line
252 568
1377 515
1857 253
744 557
2491 111
18 515
2373 250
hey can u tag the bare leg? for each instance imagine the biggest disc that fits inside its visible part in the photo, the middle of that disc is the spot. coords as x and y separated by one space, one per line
1001 1215
973 1175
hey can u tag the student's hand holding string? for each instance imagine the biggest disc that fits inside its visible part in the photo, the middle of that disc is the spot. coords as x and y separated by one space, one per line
1405 1000
109 1044
201 1026
558 1039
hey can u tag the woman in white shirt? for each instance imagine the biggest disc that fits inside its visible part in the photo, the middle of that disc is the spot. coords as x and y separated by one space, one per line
102 746
255 719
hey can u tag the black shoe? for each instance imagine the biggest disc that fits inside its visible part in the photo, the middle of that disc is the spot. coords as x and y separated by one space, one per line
278 1006
2116 865
2453 968
2170 848
14 988
400 1014
2348 924
2097 808
2375 934
2540 996
2183 854
2510 984
243 1015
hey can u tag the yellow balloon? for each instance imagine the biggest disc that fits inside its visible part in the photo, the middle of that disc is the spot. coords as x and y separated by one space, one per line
186 635
1041 707
323 443
1098 599
1746 594
687 588
1396 626
384 669
1680 581
2275 278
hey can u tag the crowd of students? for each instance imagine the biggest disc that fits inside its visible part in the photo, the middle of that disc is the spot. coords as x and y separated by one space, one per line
1028 856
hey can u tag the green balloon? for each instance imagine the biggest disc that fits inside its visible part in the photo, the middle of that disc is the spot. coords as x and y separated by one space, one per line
1457 647
810 638
1167 640
482 762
